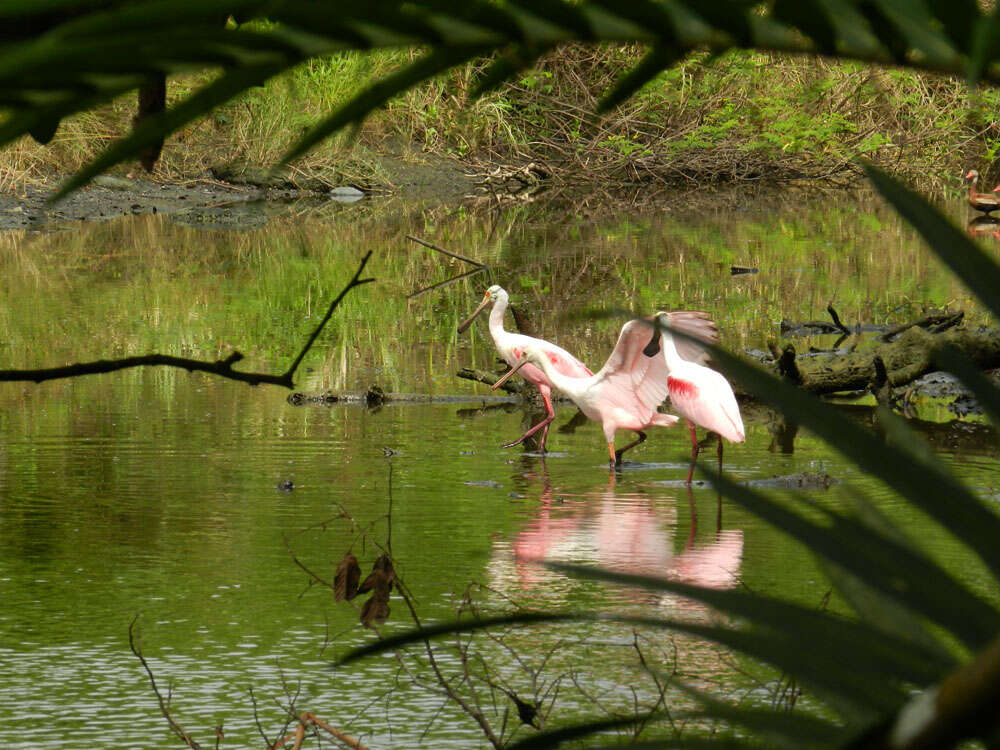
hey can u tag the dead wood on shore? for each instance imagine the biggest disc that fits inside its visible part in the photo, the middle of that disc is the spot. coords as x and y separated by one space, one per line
905 359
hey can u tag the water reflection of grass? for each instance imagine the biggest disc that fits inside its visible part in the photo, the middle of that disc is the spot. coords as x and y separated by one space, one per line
151 284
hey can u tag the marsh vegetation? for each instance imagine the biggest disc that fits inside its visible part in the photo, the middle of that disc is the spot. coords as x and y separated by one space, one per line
173 494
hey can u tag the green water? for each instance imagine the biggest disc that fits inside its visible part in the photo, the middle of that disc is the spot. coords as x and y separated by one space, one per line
155 492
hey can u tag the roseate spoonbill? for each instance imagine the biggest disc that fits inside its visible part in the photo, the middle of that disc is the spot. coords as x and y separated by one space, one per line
511 345
699 394
984 202
624 394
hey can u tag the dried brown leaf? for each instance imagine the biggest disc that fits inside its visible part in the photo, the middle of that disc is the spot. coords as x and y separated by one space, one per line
383 563
345 582
367 584
375 610
382 575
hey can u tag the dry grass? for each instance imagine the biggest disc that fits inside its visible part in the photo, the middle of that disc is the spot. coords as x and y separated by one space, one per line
744 116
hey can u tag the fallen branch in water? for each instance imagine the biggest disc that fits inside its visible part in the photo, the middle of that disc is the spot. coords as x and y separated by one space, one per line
935 322
449 253
222 368
375 397
477 267
836 319
299 735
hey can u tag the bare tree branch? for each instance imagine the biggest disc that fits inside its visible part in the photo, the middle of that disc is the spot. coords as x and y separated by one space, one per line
449 253
164 704
478 267
438 285
299 734
446 688
356 280
222 367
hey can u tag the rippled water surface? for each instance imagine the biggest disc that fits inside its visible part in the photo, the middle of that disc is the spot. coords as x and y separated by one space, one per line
157 493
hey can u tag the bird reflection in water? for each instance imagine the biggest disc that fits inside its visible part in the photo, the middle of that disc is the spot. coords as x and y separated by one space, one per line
984 226
622 532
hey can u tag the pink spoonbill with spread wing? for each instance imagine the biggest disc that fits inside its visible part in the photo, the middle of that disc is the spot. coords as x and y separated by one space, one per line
699 394
511 345
625 393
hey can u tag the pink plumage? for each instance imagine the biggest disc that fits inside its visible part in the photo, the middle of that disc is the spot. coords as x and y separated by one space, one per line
702 396
626 392
512 345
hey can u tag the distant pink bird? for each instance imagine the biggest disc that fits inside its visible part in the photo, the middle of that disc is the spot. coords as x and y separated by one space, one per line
699 394
511 345
625 393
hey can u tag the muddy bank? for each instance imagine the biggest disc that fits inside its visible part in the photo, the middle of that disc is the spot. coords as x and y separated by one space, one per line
231 197
112 198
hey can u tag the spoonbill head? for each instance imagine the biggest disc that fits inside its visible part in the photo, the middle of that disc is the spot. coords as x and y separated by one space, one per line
494 294
510 345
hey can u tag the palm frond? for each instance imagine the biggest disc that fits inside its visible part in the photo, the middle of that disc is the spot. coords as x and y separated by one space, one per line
59 57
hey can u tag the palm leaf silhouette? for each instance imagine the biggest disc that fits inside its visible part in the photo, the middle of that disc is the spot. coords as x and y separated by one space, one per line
64 56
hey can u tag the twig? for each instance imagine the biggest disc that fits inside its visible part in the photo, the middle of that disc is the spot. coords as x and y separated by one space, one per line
164 704
222 367
346 739
661 689
432 287
256 719
935 322
356 280
449 253
388 536
489 378
314 576
472 711
836 319
299 734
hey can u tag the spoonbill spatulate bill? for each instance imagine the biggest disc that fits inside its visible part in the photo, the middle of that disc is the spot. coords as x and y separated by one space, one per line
511 346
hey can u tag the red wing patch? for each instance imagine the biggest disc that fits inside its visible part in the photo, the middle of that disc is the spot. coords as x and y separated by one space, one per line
517 352
682 388
554 358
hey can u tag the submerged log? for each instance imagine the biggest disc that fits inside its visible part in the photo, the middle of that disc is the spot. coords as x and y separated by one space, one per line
375 397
